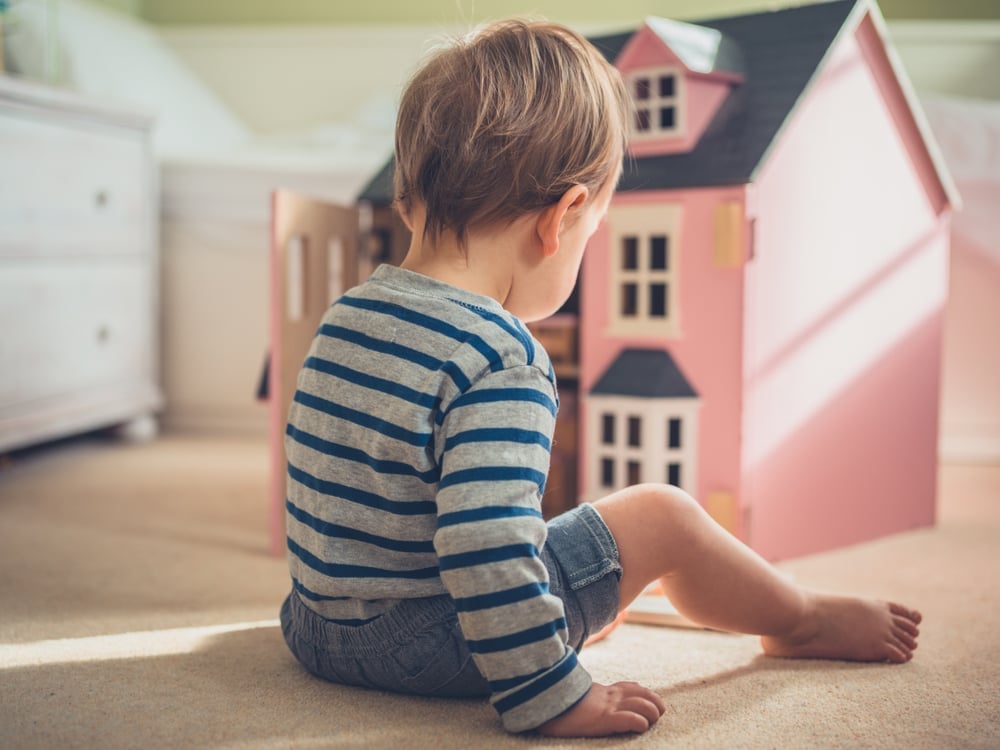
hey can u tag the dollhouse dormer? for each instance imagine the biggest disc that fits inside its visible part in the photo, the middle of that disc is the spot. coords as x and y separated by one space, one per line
678 74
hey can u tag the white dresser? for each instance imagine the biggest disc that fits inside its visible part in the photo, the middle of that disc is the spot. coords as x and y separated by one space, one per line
79 288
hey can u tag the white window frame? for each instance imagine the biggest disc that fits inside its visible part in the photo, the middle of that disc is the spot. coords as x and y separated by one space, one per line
644 222
653 453
655 102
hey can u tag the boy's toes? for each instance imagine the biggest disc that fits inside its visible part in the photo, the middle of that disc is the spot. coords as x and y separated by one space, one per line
898 653
906 640
910 614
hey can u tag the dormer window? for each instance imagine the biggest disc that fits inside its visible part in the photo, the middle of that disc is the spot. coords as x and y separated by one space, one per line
657 97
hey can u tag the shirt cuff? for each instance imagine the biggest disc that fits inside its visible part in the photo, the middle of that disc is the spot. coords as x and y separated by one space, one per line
546 697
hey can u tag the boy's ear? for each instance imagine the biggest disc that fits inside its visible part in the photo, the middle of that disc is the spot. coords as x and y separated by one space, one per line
405 216
551 218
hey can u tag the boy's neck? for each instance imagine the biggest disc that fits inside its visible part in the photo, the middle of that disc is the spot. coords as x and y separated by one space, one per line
485 266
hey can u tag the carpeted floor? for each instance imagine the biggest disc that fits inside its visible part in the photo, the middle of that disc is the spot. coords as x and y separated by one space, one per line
138 606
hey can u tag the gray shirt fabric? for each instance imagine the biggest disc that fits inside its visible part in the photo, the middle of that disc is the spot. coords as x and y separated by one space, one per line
418 446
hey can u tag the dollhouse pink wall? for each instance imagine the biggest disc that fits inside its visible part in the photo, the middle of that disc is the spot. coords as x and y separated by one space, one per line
845 299
970 408
708 348
969 133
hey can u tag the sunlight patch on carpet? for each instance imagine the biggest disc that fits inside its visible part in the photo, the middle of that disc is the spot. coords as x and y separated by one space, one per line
142 644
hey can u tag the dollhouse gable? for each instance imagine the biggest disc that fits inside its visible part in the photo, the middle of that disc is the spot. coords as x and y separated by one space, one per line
678 75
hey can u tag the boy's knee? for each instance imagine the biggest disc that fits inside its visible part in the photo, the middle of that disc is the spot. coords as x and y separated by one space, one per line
656 501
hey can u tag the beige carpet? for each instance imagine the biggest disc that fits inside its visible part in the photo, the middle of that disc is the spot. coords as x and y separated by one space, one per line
137 609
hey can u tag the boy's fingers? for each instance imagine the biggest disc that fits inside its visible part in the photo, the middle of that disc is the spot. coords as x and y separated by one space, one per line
624 721
635 690
645 708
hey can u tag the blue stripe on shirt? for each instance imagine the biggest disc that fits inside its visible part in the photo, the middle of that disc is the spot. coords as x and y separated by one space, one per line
539 686
340 570
419 439
361 497
501 598
495 395
500 686
485 556
518 639
433 324
406 353
486 513
499 435
515 331
313 596
494 474
337 531
358 456
389 387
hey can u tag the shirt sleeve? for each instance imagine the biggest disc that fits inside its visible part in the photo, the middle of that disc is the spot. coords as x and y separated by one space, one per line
494 461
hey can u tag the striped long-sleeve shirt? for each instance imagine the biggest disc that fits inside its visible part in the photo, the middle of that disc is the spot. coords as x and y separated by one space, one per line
418 445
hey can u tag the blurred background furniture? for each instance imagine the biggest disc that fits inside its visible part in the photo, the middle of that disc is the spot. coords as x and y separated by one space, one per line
79 281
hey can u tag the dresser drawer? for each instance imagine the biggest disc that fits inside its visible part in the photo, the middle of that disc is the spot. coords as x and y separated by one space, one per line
73 326
80 187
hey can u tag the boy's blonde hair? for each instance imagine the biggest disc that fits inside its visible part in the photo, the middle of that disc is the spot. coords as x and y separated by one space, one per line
503 123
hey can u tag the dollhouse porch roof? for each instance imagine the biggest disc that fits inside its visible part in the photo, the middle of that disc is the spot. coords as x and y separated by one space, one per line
644 373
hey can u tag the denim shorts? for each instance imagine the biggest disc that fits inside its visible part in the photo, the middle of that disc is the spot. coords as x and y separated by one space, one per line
417 646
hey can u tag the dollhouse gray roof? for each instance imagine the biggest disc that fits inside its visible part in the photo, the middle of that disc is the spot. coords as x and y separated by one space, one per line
644 373
700 48
781 51
778 52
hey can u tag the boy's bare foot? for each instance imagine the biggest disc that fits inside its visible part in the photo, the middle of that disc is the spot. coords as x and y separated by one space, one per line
850 628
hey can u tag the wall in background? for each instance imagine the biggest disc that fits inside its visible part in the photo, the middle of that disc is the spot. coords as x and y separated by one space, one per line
132 7
197 12
302 67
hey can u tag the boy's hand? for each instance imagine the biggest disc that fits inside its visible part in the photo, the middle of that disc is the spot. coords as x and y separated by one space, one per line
608 709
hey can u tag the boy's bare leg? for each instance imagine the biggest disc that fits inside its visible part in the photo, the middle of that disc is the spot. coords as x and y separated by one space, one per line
717 581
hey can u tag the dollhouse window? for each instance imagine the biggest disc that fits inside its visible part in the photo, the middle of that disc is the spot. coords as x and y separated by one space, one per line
608 472
659 257
630 299
674 433
674 474
634 431
645 275
657 300
657 99
608 429
630 253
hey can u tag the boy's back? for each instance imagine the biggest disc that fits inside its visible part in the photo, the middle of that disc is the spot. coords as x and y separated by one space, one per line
418 445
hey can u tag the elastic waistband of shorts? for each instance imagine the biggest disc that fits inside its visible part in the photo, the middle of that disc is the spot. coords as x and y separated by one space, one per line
383 634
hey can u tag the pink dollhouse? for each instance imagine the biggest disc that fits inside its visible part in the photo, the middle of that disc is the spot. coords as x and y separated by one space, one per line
759 319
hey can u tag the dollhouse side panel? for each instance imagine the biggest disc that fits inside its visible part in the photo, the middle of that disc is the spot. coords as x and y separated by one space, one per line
314 260
705 344
845 297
